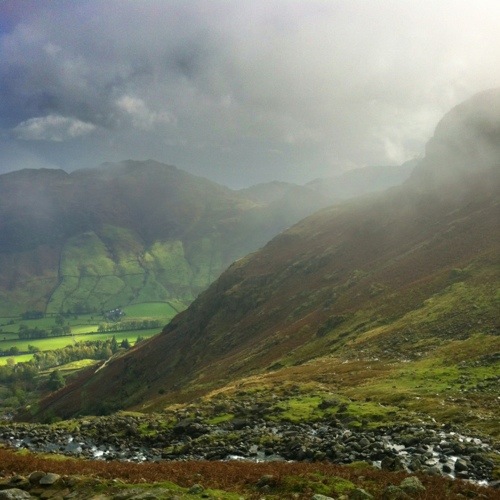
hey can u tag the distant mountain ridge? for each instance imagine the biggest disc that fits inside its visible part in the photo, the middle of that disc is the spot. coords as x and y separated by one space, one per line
129 232
363 181
390 278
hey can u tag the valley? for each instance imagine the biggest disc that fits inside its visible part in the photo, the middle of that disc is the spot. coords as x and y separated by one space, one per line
365 335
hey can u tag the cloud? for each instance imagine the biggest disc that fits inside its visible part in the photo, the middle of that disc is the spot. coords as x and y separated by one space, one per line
141 116
244 91
52 128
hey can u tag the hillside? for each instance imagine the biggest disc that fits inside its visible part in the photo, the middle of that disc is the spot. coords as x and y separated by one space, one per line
129 232
391 299
124 233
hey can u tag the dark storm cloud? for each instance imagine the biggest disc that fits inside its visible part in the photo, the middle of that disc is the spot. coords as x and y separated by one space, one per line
238 91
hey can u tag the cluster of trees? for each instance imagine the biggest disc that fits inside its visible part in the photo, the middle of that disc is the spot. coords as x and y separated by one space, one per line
39 333
92 349
99 349
11 351
145 324
32 315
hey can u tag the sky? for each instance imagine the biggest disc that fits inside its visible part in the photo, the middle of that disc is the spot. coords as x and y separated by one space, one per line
238 91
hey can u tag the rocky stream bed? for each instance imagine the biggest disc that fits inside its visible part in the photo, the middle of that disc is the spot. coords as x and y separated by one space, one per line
414 448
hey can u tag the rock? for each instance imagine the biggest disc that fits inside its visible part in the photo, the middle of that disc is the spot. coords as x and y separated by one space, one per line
18 482
432 471
392 464
412 485
34 477
364 442
360 494
461 465
14 494
49 479
190 428
393 492
447 469
17 479
240 423
196 489
415 464
51 493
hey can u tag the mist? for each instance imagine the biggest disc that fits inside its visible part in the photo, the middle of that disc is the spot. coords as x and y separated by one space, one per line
239 92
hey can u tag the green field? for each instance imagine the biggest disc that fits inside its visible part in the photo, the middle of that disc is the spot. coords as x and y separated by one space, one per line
84 327
163 310
60 342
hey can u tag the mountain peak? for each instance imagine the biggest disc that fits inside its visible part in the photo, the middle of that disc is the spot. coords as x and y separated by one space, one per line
466 140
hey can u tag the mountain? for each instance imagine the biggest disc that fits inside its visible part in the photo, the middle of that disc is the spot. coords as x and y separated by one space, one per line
363 181
391 298
466 140
129 232
121 233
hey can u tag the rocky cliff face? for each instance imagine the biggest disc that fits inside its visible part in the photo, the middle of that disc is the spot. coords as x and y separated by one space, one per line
466 140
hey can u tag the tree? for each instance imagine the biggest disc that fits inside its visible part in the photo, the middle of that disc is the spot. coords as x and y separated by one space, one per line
114 345
125 344
56 380
32 315
56 331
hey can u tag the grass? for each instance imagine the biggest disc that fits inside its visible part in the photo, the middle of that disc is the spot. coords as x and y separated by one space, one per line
112 268
456 384
22 358
74 366
317 484
300 409
59 342
83 328
163 310
219 419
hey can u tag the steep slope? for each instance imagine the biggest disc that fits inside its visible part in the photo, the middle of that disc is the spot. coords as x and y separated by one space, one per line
394 277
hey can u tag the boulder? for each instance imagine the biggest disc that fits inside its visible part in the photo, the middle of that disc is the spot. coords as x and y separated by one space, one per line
14 494
34 477
49 479
461 465
393 492
360 494
412 485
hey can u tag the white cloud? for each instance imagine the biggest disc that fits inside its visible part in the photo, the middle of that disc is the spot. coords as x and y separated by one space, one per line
52 128
141 116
